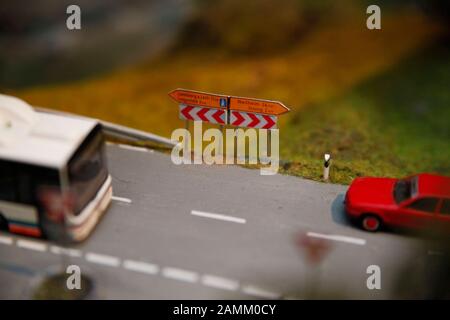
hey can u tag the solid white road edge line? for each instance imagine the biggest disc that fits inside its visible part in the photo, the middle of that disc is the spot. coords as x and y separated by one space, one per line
139 266
217 216
134 148
32 245
258 292
180 274
121 199
6 240
335 237
102 259
219 282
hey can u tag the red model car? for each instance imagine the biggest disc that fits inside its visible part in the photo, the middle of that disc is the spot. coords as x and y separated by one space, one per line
416 202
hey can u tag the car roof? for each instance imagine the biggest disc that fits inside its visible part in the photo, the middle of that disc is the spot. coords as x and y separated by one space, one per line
39 138
433 185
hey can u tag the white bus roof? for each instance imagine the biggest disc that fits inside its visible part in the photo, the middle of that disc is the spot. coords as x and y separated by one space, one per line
36 138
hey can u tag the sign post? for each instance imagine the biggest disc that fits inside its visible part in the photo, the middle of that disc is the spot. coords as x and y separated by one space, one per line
221 141
256 113
187 141
229 110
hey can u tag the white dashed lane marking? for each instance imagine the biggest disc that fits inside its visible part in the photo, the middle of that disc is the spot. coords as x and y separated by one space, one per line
121 199
31 245
102 259
180 274
177 274
217 216
65 251
260 293
335 237
139 266
219 282
6 240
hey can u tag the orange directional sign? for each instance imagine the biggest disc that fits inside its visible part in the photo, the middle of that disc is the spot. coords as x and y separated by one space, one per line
190 97
257 106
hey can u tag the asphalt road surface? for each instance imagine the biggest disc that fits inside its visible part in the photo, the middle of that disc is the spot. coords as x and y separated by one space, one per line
214 232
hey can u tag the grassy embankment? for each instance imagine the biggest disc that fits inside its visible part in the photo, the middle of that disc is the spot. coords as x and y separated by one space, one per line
396 124
387 126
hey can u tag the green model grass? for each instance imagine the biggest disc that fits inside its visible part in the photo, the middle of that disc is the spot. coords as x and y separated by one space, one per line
396 124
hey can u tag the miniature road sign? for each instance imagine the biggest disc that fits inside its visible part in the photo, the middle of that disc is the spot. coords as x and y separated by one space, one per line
194 113
252 120
197 98
257 106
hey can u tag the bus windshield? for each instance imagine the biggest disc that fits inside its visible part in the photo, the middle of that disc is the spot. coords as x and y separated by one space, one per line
87 170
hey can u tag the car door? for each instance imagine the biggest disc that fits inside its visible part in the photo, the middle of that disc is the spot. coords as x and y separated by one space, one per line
420 213
443 216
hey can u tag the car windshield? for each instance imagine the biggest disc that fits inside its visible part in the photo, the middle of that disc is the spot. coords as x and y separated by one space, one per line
405 189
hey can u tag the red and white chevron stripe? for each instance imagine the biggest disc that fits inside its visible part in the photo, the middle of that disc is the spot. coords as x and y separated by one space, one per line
210 115
252 120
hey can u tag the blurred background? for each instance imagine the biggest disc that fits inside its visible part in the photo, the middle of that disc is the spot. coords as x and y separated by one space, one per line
377 100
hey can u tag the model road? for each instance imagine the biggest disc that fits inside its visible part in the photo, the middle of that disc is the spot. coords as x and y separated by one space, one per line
199 232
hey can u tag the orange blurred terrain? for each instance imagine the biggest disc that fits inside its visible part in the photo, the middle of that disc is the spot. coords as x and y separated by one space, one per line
329 62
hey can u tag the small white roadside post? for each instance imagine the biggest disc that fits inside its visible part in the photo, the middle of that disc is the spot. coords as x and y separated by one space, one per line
326 166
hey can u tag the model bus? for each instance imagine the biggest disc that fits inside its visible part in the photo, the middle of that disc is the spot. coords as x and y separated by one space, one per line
54 181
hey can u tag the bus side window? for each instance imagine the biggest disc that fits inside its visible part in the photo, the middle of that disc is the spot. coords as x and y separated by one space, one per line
42 178
24 186
7 182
